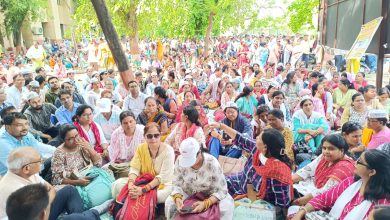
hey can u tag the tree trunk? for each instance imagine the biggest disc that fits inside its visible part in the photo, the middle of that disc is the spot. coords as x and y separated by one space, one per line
2 38
132 21
17 41
113 41
208 34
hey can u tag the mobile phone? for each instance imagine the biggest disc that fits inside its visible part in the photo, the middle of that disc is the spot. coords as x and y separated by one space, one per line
225 136
187 209
93 176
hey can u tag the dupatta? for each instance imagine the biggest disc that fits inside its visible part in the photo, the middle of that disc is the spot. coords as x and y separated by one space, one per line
98 148
339 171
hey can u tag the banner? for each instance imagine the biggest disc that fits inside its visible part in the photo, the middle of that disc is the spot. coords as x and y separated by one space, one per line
364 38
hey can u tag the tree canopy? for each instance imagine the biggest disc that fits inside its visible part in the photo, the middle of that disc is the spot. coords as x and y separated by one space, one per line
300 13
17 11
167 18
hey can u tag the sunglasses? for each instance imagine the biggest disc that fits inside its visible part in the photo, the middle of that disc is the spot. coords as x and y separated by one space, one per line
151 136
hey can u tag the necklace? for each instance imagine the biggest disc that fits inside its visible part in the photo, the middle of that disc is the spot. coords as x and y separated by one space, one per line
158 150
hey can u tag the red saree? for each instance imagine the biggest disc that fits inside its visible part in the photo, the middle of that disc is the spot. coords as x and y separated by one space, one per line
339 171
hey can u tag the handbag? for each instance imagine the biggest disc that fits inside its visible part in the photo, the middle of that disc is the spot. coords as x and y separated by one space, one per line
231 165
142 208
259 210
212 213
303 152
120 169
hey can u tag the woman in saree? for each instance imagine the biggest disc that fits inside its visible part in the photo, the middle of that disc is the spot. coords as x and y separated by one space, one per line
326 171
354 198
151 158
152 113
188 127
309 126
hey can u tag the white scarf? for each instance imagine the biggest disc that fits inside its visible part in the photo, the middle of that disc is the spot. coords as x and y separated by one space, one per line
356 213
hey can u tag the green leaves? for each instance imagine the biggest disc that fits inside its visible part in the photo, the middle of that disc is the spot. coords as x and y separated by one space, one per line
167 18
16 11
300 14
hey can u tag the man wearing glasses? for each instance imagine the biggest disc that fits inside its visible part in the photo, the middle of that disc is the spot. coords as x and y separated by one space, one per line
16 135
24 166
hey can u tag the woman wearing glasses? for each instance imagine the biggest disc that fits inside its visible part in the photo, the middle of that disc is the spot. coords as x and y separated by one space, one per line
152 157
90 131
354 198
72 155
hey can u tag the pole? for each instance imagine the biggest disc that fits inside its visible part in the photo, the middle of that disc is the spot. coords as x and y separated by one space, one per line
382 41
113 41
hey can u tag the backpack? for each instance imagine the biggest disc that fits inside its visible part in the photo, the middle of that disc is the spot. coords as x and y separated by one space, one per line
98 190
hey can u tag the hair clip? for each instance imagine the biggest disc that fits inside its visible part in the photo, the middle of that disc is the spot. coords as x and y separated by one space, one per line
282 151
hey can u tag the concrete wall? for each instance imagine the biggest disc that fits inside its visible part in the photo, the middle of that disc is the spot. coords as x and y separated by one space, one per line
51 20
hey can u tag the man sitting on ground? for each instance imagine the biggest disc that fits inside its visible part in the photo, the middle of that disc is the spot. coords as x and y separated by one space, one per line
24 165
38 116
16 135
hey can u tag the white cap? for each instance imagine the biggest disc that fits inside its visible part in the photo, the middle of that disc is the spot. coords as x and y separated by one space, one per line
34 83
189 149
377 113
70 71
230 104
188 77
226 76
103 105
32 95
94 80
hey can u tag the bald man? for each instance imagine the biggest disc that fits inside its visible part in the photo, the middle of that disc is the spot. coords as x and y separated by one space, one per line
24 164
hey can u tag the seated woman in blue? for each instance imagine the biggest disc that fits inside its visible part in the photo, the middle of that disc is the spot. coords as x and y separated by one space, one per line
309 127
221 143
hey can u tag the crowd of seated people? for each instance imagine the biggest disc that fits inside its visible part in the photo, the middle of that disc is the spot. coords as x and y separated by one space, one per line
303 140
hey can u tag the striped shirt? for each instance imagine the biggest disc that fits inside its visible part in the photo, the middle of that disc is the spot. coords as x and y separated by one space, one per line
326 200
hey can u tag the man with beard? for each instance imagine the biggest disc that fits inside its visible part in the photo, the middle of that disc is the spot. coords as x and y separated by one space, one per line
38 116
54 85
16 135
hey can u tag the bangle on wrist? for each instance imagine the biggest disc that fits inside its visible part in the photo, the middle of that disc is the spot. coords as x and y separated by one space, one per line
303 208
177 196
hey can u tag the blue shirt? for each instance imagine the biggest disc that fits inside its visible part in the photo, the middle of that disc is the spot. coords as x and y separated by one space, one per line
64 116
9 143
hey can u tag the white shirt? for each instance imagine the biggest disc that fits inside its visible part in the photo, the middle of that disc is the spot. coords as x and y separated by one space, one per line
15 97
12 182
136 105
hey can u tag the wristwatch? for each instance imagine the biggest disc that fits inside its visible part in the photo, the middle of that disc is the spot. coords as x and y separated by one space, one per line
144 190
